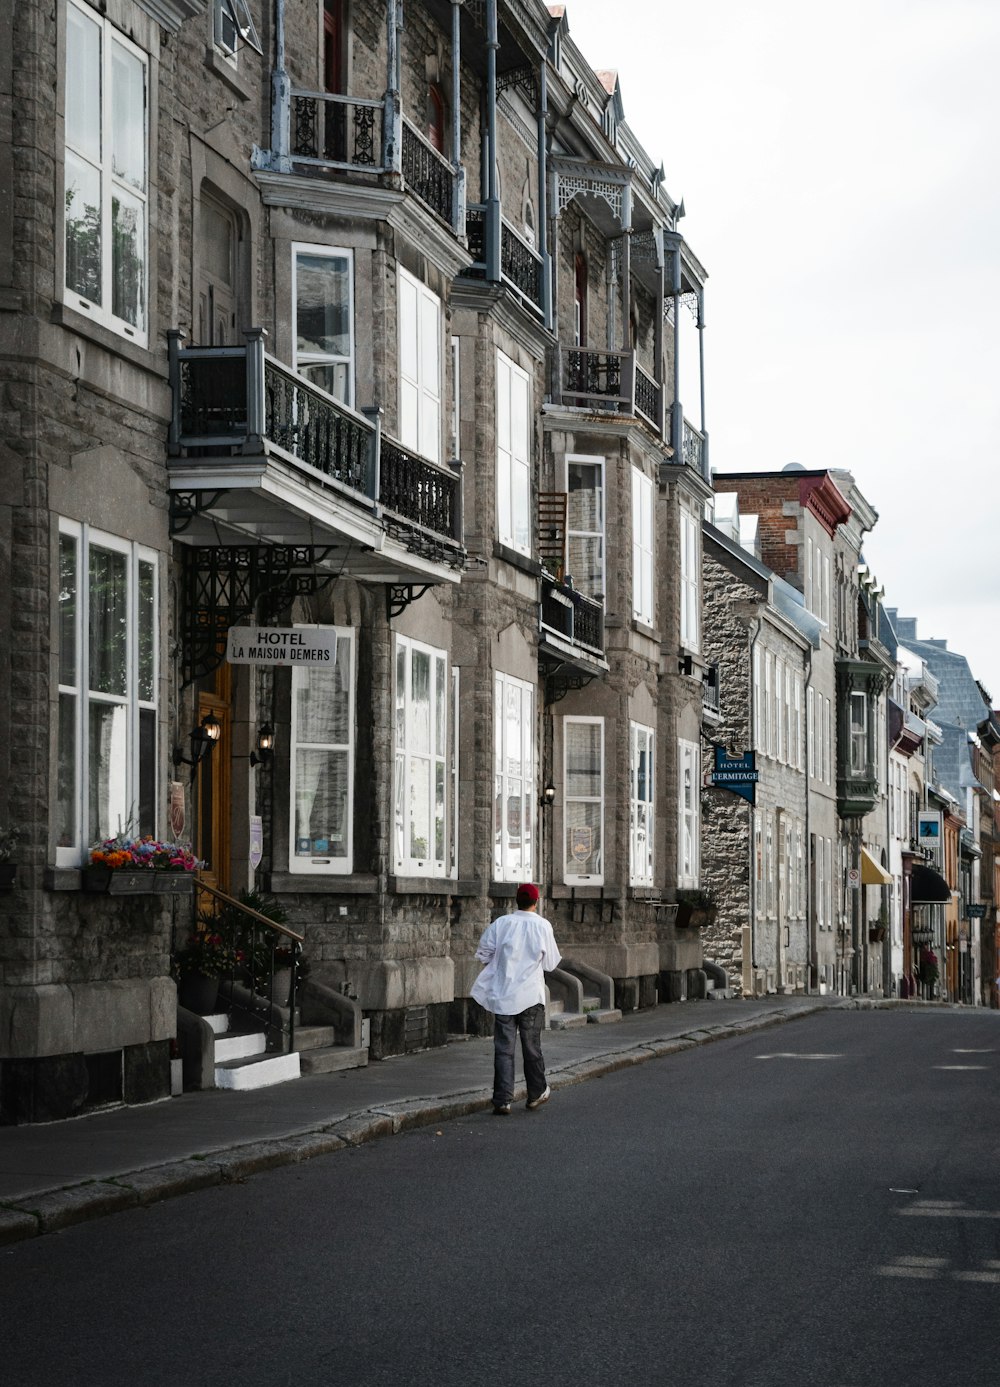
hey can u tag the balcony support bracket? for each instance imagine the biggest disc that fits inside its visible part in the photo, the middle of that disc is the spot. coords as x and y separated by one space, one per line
398 597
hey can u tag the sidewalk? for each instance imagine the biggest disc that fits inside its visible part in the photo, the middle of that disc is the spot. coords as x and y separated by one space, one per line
61 1173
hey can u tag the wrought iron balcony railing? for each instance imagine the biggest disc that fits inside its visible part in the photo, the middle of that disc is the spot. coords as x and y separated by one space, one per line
694 448
595 380
649 399
520 264
428 174
234 400
572 616
338 132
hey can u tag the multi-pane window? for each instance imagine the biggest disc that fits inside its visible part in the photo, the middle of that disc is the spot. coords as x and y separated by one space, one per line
811 729
641 802
107 690
690 581
419 367
513 455
420 798
583 800
322 763
514 778
642 547
779 721
323 294
233 26
758 701
106 180
689 813
858 734
585 524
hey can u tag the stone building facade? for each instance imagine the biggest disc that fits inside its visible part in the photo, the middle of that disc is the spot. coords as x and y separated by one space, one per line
330 318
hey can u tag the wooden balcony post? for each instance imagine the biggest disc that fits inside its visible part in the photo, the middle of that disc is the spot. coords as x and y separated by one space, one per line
493 228
256 403
458 184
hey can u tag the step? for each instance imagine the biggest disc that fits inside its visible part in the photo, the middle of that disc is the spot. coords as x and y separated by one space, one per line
314 1037
556 1007
238 1046
603 1016
219 1021
591 1003
257 1072
566 1020
333 1058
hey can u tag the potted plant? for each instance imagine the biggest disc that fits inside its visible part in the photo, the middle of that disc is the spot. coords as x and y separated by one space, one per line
205 958
267 956
128 865
9 839
695 909
928 967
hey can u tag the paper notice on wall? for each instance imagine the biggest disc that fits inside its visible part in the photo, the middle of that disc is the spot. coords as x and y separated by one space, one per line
176 809
256 840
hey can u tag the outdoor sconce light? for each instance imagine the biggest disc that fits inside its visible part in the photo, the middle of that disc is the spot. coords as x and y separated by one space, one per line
203 739
548 795
264 753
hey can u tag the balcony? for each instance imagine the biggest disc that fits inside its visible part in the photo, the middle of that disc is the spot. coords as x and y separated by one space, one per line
520 264
331 133
859 685
260 455
598 381
428 174
570 622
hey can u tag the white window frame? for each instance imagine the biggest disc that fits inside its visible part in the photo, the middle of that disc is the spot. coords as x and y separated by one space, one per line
690 580
688 813
642 805
642 547
233 27
102 312
85 834
303 250
811 730
406 752
419 366
758 701
320 863
456 397
595 878
779 720
857 733
513 400
580 461
508 693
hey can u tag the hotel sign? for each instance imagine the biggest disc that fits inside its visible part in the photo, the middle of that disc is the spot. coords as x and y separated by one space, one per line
276 645
738 774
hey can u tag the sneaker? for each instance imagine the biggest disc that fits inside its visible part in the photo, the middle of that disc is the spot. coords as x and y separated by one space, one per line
534 1103
501 1110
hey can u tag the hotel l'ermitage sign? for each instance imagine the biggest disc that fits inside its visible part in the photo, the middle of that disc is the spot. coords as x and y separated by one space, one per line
738 774
276 645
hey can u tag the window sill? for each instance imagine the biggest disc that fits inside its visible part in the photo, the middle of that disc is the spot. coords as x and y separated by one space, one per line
63 879
422 886
650 632
322 883
517 560
226 73
63 315
562 891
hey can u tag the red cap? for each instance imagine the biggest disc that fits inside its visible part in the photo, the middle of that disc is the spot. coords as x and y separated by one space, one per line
527 894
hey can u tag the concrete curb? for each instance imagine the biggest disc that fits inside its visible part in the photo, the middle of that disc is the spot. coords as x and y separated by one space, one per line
57 1209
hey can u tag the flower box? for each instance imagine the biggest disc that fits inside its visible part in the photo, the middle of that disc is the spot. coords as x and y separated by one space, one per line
118 881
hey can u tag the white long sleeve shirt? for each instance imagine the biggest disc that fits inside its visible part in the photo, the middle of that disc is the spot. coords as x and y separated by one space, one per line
517 949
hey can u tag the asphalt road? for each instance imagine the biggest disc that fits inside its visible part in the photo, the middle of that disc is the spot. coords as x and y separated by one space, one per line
813 1204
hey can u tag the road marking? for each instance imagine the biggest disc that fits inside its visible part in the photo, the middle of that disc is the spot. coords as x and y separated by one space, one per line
973 1052
992 1278
944 1208
960 1066
930 1268
794 1055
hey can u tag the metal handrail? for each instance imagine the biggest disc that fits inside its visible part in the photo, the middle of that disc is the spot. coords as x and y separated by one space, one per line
257 997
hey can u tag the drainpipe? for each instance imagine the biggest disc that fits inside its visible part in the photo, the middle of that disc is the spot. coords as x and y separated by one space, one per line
810 859
392 130
281 138
706 471
458 208
492 200
543 193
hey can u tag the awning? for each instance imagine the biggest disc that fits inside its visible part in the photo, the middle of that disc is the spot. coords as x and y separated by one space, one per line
872 872
928 887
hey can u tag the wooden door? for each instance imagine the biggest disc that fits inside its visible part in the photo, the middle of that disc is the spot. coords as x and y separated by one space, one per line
214 787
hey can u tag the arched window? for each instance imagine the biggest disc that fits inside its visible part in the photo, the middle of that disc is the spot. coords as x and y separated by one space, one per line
580 299
435 117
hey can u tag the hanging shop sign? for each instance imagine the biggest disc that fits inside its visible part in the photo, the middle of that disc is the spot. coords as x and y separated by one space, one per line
975 912
276 645
738 774
930 824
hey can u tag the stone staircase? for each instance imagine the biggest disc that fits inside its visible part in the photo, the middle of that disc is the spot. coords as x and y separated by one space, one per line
242 1060
578 995
319 1053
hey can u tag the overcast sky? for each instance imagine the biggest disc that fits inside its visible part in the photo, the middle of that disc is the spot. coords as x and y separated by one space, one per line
840 172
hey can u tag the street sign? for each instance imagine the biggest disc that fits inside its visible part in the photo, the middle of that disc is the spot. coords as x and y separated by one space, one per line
853 878
975 912
274 645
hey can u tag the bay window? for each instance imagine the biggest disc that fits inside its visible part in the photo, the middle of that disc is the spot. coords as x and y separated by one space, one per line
105 193
108 676
583 800
514 778
421 793
322 763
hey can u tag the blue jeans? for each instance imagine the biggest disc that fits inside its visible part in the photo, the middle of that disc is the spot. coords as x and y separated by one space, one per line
505 1028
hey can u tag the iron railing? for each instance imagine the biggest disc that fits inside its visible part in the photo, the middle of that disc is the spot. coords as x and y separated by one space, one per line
595 380
264 960
694 448
427 173
230 400
572 616
649 398
521 266
341 132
